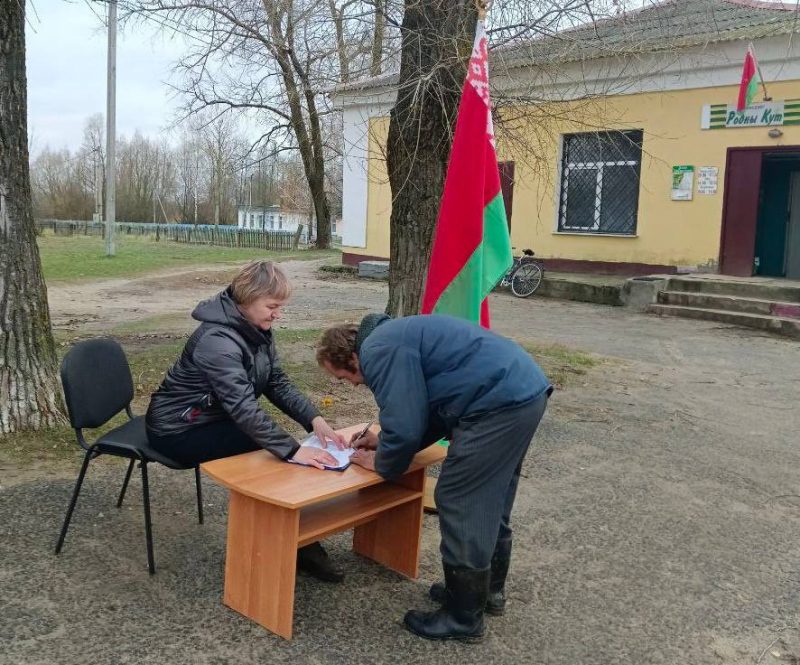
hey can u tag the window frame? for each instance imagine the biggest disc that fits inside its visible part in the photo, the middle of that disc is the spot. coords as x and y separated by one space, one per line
564 169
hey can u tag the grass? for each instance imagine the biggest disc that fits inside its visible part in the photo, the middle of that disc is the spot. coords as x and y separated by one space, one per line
80 257
561 364
289 335
150 357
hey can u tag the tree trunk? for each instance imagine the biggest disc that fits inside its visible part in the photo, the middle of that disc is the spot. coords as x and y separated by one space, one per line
378 32
30 397
307 127
437 40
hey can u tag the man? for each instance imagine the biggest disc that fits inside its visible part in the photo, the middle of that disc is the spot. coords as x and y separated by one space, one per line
434 377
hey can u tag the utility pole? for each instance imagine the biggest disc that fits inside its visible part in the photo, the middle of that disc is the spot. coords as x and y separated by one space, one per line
111 128
98 186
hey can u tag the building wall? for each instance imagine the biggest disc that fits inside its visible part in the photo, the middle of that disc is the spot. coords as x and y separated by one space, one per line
669 233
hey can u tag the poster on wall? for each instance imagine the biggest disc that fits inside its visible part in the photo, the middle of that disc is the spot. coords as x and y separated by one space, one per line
682 183
707 177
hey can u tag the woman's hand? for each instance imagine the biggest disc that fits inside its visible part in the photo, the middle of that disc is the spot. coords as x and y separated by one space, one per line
365 458
368 441
316 457
325 433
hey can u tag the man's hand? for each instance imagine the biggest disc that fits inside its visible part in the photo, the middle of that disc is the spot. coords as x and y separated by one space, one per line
369 441
315 457
365 458
325 433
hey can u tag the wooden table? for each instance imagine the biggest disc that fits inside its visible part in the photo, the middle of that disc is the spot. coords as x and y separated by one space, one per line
275 507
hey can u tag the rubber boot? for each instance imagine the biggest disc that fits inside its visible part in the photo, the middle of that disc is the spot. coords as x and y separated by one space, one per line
496 602
461 616
313 560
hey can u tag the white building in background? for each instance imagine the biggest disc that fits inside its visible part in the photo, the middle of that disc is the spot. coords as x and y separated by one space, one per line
273 218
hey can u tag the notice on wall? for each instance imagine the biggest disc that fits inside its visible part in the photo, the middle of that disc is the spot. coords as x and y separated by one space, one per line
682 183
707 179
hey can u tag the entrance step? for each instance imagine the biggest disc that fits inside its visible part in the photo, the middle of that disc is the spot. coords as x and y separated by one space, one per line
789 327
730 303
776 290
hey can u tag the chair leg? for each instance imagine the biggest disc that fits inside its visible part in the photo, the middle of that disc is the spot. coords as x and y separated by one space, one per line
125 484
86 459
148 530
199 494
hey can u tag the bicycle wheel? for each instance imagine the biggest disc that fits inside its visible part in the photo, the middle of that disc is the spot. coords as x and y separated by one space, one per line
526 279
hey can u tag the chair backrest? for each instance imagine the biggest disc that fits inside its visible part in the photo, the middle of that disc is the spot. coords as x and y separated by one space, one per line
97 382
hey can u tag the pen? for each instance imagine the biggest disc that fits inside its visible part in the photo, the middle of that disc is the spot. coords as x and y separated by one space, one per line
363 431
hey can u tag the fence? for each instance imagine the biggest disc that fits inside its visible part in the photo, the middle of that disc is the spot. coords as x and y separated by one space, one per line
200 234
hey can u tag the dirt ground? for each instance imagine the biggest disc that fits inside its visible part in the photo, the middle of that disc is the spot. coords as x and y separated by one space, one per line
658 520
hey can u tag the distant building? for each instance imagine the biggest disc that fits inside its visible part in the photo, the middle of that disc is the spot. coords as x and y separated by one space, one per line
274 218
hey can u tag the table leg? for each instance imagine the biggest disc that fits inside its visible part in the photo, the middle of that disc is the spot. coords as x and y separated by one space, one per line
261 562
393 538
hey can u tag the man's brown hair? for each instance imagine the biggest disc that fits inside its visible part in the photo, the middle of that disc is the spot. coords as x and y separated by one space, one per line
337 346
260 278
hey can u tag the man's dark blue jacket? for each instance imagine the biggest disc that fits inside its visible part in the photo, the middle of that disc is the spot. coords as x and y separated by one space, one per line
428 372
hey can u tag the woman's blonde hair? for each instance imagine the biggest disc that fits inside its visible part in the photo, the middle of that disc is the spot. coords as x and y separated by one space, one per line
258 279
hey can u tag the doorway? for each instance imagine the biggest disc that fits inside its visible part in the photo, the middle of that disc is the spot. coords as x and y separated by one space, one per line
776 251
761 213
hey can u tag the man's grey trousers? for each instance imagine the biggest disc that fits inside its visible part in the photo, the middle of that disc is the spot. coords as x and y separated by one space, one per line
478 482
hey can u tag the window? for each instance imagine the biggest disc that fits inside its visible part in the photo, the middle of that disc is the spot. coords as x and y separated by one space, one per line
600 182
333 227
280 221
272 221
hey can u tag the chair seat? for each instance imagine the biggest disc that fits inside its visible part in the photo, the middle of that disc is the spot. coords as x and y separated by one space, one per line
133 433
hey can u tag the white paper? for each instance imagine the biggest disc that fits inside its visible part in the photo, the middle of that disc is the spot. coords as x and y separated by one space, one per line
707 177
342 457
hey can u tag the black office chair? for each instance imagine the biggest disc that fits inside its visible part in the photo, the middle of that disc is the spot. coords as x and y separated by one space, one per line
97 386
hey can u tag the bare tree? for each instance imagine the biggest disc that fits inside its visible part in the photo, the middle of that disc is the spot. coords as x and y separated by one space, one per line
60 185
188 164
437 38
145 176
29 392
275 60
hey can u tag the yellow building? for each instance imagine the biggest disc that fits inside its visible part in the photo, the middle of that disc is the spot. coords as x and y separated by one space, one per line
632 159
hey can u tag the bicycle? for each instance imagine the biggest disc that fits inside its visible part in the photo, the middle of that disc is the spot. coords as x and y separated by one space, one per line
525 275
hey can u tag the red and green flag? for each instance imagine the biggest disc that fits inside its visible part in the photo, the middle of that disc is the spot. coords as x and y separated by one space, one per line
471 247
751 79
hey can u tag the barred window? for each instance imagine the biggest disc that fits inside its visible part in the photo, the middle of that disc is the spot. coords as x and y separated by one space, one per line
600 182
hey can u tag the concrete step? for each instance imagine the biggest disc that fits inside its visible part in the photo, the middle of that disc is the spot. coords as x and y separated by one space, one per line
774 324
778 290
730 303
374 269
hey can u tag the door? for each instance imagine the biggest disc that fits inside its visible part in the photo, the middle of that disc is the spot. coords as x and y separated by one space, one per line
793 230
770 257
740 212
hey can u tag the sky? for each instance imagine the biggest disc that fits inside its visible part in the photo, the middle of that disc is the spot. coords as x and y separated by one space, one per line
66 52
66 62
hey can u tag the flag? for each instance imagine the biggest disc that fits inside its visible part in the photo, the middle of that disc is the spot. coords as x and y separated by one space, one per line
751 79
471 248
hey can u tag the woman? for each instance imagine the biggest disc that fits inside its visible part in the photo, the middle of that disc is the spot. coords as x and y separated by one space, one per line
207 406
